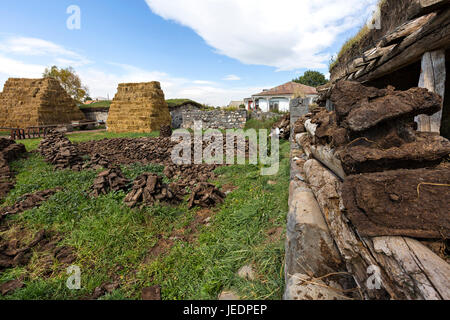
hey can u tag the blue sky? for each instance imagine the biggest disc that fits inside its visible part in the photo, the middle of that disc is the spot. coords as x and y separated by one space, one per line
212 51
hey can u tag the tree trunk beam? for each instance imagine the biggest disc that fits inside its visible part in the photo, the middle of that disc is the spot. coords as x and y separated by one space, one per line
408 270
432 77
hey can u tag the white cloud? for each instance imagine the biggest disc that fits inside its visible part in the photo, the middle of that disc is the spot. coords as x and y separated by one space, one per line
204 82
232 77
17 68
103 83
25 46
17 56
286 34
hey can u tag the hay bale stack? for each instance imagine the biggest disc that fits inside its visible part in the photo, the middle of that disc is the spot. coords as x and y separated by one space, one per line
138 107
36 102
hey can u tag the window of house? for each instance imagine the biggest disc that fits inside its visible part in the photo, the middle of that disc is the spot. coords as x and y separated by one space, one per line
274 105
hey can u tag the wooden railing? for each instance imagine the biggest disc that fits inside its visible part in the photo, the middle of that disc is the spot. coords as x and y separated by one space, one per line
39 131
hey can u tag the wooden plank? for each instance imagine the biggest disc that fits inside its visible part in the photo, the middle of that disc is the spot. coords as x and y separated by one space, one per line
405 30
436 270
411 262
434 36
408 269
356 256
432 77
323 153
420 7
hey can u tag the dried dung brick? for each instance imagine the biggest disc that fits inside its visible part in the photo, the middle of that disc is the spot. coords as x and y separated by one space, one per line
412 203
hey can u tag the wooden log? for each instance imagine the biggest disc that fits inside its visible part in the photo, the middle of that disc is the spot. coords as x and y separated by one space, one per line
409 262
420 7
407 269
323 153
311 128
404 30
309 246
432 77
378 52
433 36
357 257
304 140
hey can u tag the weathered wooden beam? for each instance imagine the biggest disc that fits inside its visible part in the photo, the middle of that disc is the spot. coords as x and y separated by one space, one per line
407 269
405 30
323 153
432 77
433 36
355 254
409 262
420 7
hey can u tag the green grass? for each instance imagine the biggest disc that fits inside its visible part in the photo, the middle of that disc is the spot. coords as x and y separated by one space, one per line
260 124
176 102
100 104
112 240
353 41
350 44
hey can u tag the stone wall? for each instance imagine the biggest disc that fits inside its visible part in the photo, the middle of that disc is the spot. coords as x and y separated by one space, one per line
138 107
36 102
216 119
299 107
96 114
177 114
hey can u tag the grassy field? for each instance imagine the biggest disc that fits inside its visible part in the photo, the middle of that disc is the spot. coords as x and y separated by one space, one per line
177 102
170 246
100 104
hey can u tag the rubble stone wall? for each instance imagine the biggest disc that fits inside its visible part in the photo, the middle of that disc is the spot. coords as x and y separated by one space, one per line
215 119
96 114
177 114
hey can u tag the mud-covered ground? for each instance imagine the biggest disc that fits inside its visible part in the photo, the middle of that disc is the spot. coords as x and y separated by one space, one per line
161 250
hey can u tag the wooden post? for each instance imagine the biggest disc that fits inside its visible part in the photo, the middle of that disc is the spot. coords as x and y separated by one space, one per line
432 77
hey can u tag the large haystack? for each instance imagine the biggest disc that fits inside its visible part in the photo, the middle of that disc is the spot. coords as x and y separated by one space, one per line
36 102
138 107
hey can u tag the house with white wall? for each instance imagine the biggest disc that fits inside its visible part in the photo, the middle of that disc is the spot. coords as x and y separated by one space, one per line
278 98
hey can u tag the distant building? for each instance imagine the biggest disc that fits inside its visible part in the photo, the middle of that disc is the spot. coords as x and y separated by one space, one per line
101 99
278 98
236 104
177 109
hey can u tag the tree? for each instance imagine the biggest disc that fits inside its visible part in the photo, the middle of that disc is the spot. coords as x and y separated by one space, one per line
312 79
70 81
